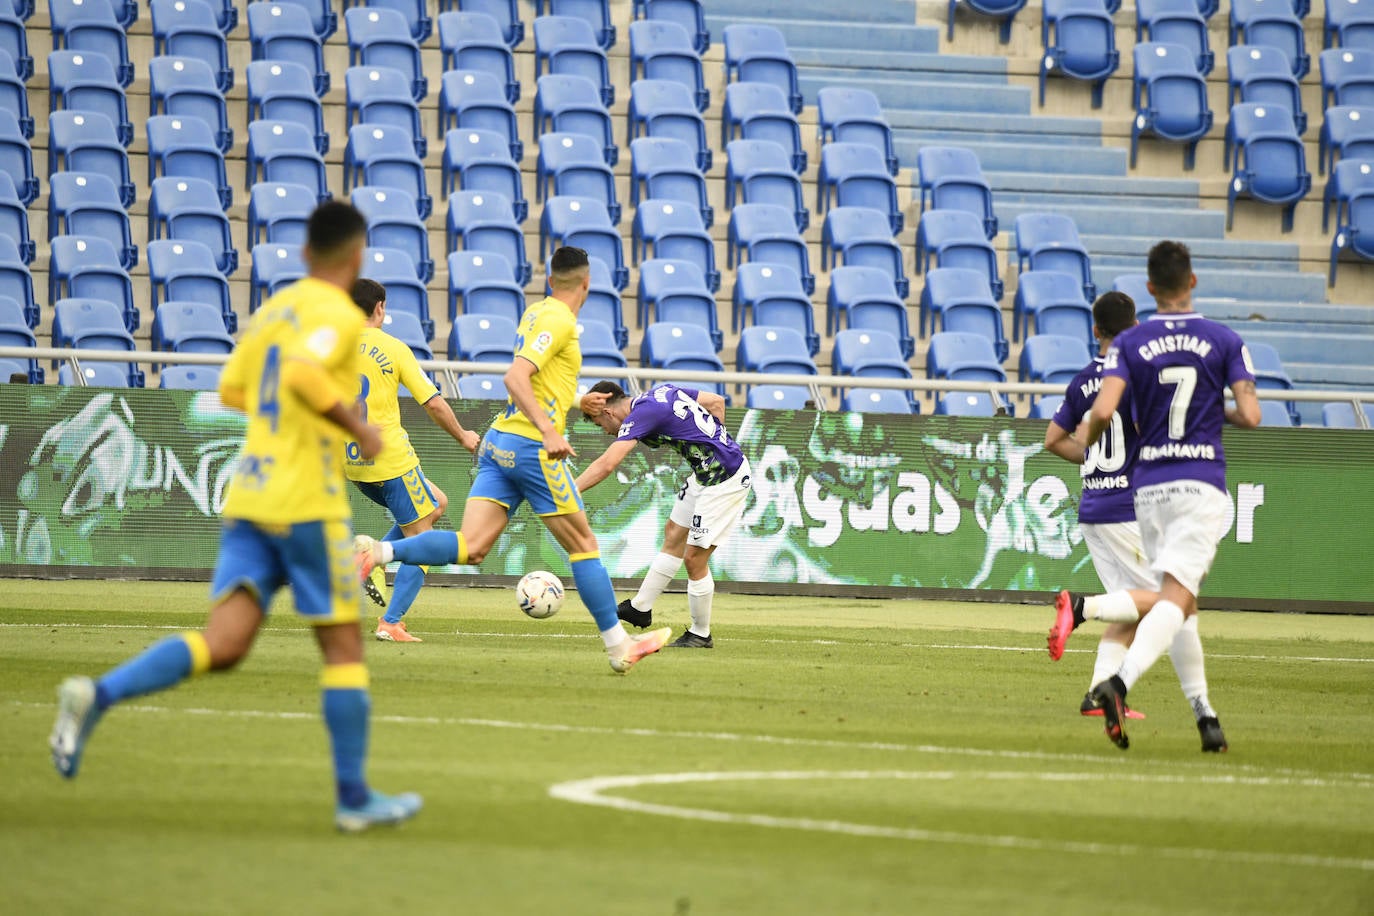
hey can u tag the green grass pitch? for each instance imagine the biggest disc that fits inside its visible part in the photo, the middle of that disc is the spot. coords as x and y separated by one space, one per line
828 757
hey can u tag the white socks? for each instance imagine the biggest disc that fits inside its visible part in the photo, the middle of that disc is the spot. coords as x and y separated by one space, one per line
1114 607
1110 655
1153 636
614 638
1186 653
700 593
661 572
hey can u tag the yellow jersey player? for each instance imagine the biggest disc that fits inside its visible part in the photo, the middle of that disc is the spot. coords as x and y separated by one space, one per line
393 478
523 459
286 520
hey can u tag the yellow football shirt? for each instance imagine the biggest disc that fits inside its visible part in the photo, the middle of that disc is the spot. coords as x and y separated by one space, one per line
548 338
386 364
291 466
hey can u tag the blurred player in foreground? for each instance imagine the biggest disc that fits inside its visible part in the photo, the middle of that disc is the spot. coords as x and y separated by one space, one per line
709 502
393 478
286 520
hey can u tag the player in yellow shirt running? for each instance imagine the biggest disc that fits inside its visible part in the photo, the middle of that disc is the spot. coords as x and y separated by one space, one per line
393 478
286 519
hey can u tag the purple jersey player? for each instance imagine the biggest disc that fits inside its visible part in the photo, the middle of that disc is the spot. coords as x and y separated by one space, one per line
709 503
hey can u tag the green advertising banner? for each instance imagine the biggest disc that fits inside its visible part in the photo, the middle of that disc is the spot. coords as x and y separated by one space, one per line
131 482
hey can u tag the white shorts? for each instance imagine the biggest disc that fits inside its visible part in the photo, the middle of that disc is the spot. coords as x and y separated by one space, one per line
710 513
1118 556
1181 523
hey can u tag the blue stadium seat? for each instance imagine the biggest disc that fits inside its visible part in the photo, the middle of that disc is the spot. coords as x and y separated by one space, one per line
1347 77
482 339
189 29
1052 358
186 148
476 42
960 299
16 282
567 45
848 115
952 178
572 104
661 108
870 354
855 175
1271 23
572 165
661 50
415 13
778 397
1002 10
675 291
584 223
768 234
1040 293
190 378
758 54
597 13
1050 241
1174 22
381 156
603 302
16 156
94 324
395 270
968 404
482 280
285 152
14 41
1273 413
505 12
1339 415
279 212
665 169
480 160
1269 162
1354 214
79 81
663 229
1270 373
190 327
1169 97
90 26
1045 406
1080 42
473 100
686 13
1069 319
1349 25
760 172
1260 75
380 37
1134 285
282 91
955 239
759 111
189 209
392 223
772 294
866 297
14 219
963 357
84 267
484 221
877 400
1351 179
598 344
14 97
479 387
94 375
186 271
184 87
407 328
284 32
275 266
381 95
322 19
1347 130
859 237
680 347
15 332
780 351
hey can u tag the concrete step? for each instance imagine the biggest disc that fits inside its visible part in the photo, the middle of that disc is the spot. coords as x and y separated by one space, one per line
1146 222
1330 375
842 63
897 12
1359 318
1306 346
929 95
1037 157
1055 190
997 127
825 33
1238 284
1208 253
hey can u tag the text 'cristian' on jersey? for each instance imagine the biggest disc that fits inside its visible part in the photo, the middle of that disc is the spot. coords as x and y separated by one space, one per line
671 416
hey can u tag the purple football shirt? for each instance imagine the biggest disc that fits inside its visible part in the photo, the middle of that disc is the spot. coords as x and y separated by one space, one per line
1107 468
1176 367
669 415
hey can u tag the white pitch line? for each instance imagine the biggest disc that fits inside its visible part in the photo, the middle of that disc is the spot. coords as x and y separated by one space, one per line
591 792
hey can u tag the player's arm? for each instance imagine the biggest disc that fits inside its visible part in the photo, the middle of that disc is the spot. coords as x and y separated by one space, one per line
442 414
1108 399
310 382
1062 442
520 386
1246 412
602 467
714 404
233 390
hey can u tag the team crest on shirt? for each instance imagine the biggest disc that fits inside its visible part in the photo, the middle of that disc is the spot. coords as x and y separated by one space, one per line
542 342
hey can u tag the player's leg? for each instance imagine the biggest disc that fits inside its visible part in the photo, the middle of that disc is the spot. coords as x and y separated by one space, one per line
715 514
701 593
416 504
638 611
374 584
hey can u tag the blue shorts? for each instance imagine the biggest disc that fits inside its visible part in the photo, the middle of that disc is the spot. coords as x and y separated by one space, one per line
512 469
408 498
314 558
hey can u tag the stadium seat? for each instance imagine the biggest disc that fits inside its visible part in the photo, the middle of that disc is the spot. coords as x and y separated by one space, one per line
772 294
768 234
1002 10
968 404
484 221
15 332
284 32
661 50
279 212
416 15
16 281
675 291
281 91
475 42
1347 77
1045 406
14 41
479 160
951 178
1052 358
482 281
190 327
573 165
189 30
94 375
380 156
479 387
955 239
184 87
663 229
778 397
80 81
186 148
189 209
84 267
665 169
877 400
1134 285
472 100
597 13
584 223
1270 373
661 108
186 271
756 53
1340 415
381 95
1273 413
848 115
275 266
597 342
1050 241
760 172
855 175
392 223
1174 22
1354 198
1349 25
395 270
603 302
679 347
91 28
1274 24
285 152
1080 42
505 12
94 324
322 19
572 104
1269 162
859 237
14 219
963 357
482 339
1347 130
190 378
960 299
778 351
866 297
380 37
14 96
687 13
1260 75
16 156
870 354
1169 97
759 111
1351 178
567 45
1040 294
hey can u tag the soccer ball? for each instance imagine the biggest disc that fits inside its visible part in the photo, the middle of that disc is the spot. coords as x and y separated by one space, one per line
540 594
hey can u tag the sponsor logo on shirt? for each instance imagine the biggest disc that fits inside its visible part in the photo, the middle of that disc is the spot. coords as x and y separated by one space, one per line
542 342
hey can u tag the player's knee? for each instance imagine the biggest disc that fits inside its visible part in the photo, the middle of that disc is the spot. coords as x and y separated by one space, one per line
477 553
225 653
441 501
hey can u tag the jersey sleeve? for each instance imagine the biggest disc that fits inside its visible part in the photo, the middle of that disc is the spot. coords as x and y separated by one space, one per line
1070 411
1114 363
549 333
1239 368
642 420
232 375
332 343
413 377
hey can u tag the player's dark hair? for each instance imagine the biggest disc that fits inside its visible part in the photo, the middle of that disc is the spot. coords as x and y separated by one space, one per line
366 294
1170 268
567 266
334 228
605 386
1113 312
